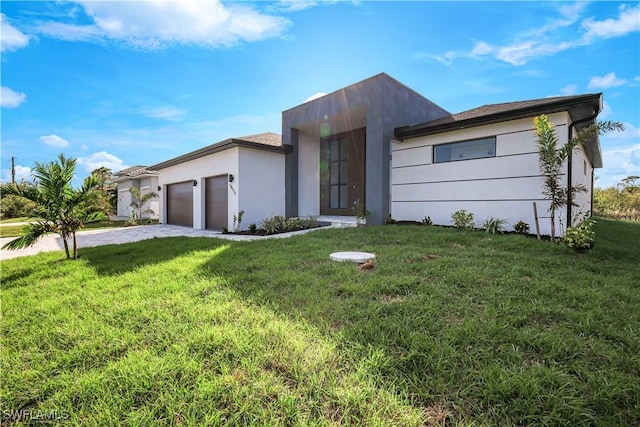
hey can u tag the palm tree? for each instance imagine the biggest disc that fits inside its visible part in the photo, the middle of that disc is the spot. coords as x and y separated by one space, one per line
59 208
138 202
552 157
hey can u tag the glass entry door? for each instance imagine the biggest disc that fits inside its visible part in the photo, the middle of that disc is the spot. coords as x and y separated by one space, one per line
342 172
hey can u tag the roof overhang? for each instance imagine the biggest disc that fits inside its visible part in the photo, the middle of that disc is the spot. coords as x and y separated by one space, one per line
583 110
222 146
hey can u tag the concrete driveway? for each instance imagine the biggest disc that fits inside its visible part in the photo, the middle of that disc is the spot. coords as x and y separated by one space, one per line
110 236
105 236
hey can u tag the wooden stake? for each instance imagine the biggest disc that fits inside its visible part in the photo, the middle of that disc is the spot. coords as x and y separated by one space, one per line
535 215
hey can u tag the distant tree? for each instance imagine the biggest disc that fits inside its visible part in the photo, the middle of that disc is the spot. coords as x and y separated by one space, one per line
138 202
629 184
551 158
59 207
13 206
106 187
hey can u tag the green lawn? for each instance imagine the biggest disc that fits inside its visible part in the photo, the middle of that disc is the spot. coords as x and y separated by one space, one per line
450 328
12 220
17 230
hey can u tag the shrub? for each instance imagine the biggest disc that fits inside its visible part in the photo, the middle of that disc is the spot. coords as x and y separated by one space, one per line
310 221
521 227
494 225
360 211
581 237
273 225
390 220
253 228
427 220
462 220
237 220
293 224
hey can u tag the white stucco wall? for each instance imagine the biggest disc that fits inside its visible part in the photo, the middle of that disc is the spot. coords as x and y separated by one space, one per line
581 174
223 162
124 198
260 186
309 178
503 186
148 185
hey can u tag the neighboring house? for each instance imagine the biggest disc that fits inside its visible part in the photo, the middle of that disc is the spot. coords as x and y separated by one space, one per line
146 180
384 144
204 189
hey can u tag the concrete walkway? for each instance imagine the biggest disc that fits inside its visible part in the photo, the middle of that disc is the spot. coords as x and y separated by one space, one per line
110 236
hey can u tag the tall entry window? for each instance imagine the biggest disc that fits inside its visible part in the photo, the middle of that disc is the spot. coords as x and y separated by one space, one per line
338 173
342 160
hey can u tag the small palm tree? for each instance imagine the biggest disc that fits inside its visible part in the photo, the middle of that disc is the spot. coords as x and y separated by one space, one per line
552 156
138 202
59 208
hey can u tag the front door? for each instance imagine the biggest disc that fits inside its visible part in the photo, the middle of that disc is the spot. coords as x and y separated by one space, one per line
342 168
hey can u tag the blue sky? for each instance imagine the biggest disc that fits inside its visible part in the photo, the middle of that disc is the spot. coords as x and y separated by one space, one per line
118 84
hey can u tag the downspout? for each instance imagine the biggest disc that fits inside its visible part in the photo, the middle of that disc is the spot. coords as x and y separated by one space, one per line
570 168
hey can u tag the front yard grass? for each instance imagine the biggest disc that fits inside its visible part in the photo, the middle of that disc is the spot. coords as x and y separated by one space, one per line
18 230
450 328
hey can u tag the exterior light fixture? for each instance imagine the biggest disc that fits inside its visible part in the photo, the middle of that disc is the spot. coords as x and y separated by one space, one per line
159 188
195 183
231 178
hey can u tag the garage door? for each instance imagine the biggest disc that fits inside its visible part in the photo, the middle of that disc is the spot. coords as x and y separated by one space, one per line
216 202
180 204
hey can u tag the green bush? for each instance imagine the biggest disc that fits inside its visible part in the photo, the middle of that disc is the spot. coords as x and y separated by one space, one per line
521 227
427 220
15 207
581 237
273 225
310 221
293 224
494 225
462 220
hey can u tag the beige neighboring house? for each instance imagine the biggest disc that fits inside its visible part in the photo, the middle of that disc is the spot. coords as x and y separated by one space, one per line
146 181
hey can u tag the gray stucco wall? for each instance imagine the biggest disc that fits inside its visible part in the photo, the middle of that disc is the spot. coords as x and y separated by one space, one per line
388 104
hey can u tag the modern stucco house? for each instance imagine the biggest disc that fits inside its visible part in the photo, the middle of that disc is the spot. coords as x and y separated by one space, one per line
384 144
146 181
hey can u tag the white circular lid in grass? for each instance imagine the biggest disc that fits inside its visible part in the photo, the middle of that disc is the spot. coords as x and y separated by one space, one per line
358 257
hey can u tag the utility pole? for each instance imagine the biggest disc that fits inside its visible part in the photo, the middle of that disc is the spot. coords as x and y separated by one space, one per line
13 170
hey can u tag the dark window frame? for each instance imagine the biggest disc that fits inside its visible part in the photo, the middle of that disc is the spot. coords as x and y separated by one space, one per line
450 145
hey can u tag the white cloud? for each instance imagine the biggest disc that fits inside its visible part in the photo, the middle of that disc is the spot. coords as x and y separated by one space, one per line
545 40
99 159
628 21
11 99
569 89
315 96
23 173
12 38
54 141
158 24
607 81
521 53
295 5
482 48
165 113
618 163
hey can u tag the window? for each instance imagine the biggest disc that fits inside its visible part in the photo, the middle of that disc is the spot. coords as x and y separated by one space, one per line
465 150
338 173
